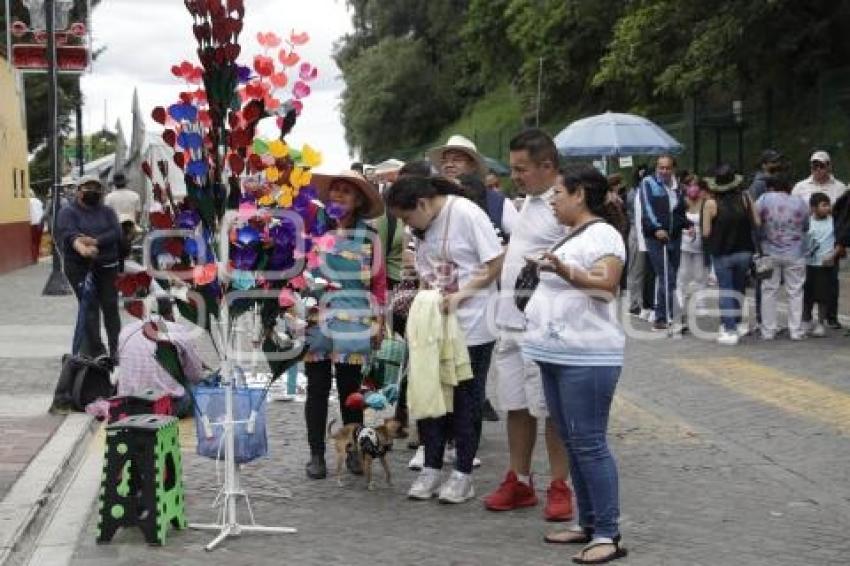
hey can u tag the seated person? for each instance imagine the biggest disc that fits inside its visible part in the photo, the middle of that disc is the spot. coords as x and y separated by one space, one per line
141 370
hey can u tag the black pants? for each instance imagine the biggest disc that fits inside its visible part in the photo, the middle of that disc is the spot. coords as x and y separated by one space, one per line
105 300
648 283
818 290
319 376
464 424
832 305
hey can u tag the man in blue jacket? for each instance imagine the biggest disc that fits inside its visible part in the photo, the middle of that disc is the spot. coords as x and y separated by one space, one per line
663 219
89 236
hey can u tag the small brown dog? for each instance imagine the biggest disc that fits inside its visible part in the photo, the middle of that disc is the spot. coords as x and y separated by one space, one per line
367 443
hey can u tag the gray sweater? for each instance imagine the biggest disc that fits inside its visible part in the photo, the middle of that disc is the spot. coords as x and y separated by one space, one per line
100 222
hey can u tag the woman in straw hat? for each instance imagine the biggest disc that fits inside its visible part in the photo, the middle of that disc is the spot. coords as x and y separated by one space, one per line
728 221
346 328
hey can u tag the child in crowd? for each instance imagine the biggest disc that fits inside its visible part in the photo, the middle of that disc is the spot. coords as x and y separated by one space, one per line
692 269
820 263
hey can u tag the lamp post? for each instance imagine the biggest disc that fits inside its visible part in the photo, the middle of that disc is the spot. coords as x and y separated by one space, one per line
738 114
56 283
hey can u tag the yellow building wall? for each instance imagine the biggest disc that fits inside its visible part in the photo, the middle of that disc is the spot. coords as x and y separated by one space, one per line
14 173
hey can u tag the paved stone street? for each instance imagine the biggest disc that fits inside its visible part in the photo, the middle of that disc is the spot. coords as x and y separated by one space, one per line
727 456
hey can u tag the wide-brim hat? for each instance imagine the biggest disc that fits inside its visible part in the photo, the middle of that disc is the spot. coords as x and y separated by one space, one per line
462 144
374 202
723 183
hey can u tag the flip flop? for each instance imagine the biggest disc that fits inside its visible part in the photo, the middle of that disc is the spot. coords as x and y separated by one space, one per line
571 535
619 552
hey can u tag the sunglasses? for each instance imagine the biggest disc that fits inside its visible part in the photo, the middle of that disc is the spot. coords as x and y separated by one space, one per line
819 165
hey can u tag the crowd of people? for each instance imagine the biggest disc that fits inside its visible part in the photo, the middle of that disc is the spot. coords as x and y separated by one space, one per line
687 234
434 252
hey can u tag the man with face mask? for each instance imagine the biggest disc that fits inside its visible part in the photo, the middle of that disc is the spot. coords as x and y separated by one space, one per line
89 235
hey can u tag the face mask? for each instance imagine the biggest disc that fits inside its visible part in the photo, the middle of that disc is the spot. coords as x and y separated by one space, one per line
91 198
693 192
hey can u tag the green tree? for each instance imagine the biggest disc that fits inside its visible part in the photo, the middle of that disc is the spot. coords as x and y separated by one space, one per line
393 98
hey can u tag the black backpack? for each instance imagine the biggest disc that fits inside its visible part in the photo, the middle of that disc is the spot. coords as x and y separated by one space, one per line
88 380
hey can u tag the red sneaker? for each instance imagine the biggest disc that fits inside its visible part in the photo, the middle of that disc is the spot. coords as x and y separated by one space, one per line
559 502
511 494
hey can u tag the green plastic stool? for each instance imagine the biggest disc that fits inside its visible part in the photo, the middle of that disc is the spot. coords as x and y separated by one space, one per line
142 481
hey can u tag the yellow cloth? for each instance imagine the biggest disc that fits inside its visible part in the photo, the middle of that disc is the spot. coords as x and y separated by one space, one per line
433 336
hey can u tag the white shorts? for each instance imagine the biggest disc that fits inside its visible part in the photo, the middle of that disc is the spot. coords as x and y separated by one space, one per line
519 383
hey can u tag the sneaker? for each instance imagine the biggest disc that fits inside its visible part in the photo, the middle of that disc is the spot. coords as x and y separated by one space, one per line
316 468
660 326
767 335
488 413
450 456
645 314
743 329
559 502
418 461
727 338
833 324
796 337
457 489
511 494
635 311
476 462
819 331
426 485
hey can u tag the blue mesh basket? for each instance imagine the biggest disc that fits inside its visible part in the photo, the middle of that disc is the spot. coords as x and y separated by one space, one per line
210 414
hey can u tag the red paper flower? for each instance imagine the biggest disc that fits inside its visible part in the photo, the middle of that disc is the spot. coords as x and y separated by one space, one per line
159 115
161 221
299 38
290 59
263 65
204 274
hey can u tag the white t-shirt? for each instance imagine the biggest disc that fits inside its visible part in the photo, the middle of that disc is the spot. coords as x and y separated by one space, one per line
510 217
807 187
535 230
470 242
124 202
36 211
567 326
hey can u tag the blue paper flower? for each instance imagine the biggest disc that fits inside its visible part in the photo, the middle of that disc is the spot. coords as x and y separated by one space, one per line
247 235
244 257
197 168
243 280
183 112
188 220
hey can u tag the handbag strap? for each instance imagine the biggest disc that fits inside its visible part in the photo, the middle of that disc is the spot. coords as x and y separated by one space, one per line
575 233
445 250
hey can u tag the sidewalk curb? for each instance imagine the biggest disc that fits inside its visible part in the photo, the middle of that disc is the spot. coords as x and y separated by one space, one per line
33 489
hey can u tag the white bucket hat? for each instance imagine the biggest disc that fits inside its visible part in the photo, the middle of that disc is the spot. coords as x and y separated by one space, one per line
462 144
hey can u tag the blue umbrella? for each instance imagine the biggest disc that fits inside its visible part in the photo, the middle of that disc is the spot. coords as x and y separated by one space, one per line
612 134
496 166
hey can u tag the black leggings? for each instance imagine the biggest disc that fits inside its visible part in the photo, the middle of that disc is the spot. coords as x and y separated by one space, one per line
319 375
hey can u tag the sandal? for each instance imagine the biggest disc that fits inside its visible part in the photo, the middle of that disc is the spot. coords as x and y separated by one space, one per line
575 534
619 552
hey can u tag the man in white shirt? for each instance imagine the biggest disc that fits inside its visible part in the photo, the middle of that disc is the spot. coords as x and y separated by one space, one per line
125 202
36 224
820 181
534 171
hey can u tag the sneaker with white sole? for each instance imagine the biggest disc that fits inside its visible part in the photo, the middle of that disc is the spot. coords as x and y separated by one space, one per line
426 485
418 461
743 329
727 338
476 462
819 331
457 489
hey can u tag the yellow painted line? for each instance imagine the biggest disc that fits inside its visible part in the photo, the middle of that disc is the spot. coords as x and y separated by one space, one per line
785 391
634 424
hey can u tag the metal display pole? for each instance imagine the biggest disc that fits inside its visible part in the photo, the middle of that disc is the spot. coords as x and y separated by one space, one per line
231 491
56 284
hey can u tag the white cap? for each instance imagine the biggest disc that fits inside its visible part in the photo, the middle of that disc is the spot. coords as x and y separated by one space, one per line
90 179
124 217
820 156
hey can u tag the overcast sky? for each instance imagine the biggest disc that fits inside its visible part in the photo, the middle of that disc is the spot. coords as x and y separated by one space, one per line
144 38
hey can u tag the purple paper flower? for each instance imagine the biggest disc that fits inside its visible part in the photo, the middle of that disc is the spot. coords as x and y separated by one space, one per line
336 210
244 258
243 74
282 258
283 234
188 220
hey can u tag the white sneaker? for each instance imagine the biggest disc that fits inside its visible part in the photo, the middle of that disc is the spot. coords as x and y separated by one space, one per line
426 485
743 329
727 338
645 314
797 337
819 331
450 456
766 335
418 461
457 489
476 462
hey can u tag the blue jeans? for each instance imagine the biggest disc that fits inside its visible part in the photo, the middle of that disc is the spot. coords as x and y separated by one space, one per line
579 401
731 271
656 250
464 423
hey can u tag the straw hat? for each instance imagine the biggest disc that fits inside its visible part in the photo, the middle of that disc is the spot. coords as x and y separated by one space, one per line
724 179
463 145
374 203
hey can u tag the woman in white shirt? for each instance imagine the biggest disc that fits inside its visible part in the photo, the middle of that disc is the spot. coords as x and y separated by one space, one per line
576 339
458 253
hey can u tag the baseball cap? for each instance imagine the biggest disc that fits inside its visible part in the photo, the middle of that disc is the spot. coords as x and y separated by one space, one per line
90 179
821 156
